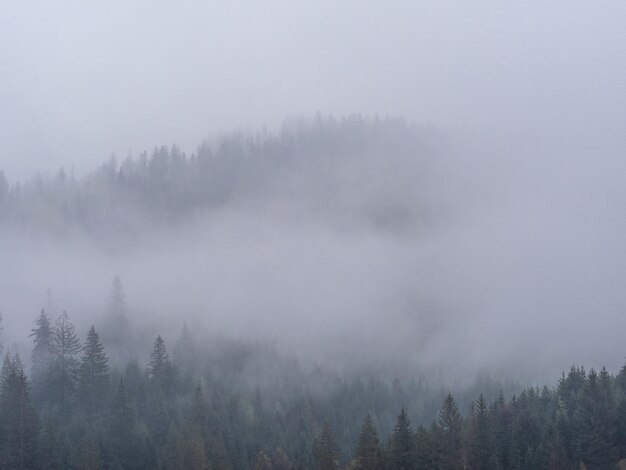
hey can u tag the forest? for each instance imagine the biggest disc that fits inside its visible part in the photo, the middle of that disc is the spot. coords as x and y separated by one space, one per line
117 396
220 407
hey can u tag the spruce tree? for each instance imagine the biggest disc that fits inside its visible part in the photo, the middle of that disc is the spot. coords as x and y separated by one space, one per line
93 375
325 451
450 424
41 358
501 420
595 426
160 367
480 445
368 455
65 347
401 453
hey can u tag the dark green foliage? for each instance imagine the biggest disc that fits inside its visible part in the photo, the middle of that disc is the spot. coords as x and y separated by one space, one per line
450 424
368 454
42 358
93 376
229 412
401 448
325 452
65 347
595 423
160 367
480 450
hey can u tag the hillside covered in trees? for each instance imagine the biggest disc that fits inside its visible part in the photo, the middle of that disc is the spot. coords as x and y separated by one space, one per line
354 168
195 406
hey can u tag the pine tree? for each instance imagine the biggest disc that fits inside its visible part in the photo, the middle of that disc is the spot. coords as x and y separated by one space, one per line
450 424
401 453
595 427
160 367
65 347
41 358
480 448
93 376
368 455
501 431
325 451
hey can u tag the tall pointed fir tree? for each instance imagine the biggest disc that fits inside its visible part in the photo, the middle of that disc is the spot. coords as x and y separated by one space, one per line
368 454
401 453
325 451
160 366
41 356
479 436
450 424
93 375
65 347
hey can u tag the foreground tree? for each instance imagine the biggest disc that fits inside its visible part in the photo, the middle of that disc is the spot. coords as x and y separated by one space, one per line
401 453
450 424
368 456
325 451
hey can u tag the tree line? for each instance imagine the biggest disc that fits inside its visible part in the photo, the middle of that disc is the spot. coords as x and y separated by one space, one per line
77 410
161 186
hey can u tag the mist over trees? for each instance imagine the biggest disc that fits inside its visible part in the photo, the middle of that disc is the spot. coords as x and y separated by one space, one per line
203 409
343 168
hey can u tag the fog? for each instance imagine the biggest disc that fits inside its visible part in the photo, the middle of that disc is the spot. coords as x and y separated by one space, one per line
491 239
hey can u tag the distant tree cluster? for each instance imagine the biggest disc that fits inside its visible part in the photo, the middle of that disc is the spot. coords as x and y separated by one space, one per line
167 184
190 411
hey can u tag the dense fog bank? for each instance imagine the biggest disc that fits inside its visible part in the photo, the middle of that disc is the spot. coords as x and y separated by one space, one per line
352 241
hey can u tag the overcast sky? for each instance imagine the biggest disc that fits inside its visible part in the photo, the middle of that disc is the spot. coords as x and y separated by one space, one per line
80 80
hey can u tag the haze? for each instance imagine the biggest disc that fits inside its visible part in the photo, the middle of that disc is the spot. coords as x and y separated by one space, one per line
509 254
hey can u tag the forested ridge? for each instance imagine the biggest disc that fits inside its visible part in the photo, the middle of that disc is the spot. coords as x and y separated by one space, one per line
128 393
320 165
75 408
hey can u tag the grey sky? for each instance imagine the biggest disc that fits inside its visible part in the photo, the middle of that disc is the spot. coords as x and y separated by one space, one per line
81 80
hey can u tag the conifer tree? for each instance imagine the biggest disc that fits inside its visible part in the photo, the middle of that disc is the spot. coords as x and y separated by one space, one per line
93 376
480 448
450 424
501 430
595 426
325 451
159 367
401 453
41 357
65 347
368 456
